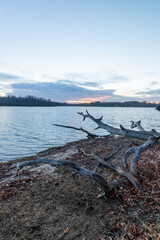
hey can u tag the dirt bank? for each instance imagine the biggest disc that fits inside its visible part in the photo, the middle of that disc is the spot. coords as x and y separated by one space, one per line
47 202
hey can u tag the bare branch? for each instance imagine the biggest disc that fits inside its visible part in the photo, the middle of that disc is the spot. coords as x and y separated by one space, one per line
83 171
111 155
83 115
138 151
138 125
121 171
79 129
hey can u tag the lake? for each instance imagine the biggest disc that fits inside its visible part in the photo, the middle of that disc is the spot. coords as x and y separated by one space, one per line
26 131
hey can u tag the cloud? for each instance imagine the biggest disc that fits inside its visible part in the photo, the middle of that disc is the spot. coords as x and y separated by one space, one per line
98 76
60 91
153 83
91 84
117 78
81 84
6 76
149 95
150 92
97 80
79 87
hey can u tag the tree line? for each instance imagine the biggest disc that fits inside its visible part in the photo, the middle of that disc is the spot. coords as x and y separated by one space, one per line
27 101
35 101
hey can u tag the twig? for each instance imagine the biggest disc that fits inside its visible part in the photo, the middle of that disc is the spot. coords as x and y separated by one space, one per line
46 195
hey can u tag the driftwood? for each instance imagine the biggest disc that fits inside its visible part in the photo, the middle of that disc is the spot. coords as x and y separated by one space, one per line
140 128
138 125
138 151
111 155
121 171
80 129
107 187
152 137
143 135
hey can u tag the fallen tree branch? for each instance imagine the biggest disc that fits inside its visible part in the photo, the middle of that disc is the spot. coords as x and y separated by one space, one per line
107 158
122 172
111 155
83 171
138 151
80 129
143 135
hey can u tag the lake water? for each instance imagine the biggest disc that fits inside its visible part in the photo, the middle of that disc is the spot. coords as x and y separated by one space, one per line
26 131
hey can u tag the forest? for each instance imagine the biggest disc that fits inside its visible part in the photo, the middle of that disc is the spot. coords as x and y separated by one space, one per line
28 101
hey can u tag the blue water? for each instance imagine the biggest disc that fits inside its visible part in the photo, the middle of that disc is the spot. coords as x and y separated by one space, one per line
26 131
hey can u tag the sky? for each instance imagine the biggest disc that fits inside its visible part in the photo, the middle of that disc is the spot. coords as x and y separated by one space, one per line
80 50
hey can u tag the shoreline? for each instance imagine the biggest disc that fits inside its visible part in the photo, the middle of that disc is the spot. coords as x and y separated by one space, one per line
41 153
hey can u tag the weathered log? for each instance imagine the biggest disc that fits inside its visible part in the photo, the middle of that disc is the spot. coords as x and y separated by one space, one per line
143 135
80 129
121 171
107 187
138 151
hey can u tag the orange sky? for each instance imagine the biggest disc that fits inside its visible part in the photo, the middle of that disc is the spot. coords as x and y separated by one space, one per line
88 100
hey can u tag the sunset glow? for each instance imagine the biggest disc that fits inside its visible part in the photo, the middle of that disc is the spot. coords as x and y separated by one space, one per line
153 102
88 100
2 94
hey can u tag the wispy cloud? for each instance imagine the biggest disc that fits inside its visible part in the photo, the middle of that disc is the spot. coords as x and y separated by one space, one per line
153 83
96 80
155 92
117 78
99 77
6 76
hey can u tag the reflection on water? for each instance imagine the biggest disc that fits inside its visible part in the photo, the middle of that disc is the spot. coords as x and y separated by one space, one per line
27 130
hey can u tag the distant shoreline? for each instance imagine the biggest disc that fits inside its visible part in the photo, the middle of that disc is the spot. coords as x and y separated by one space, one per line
78 106
31 101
